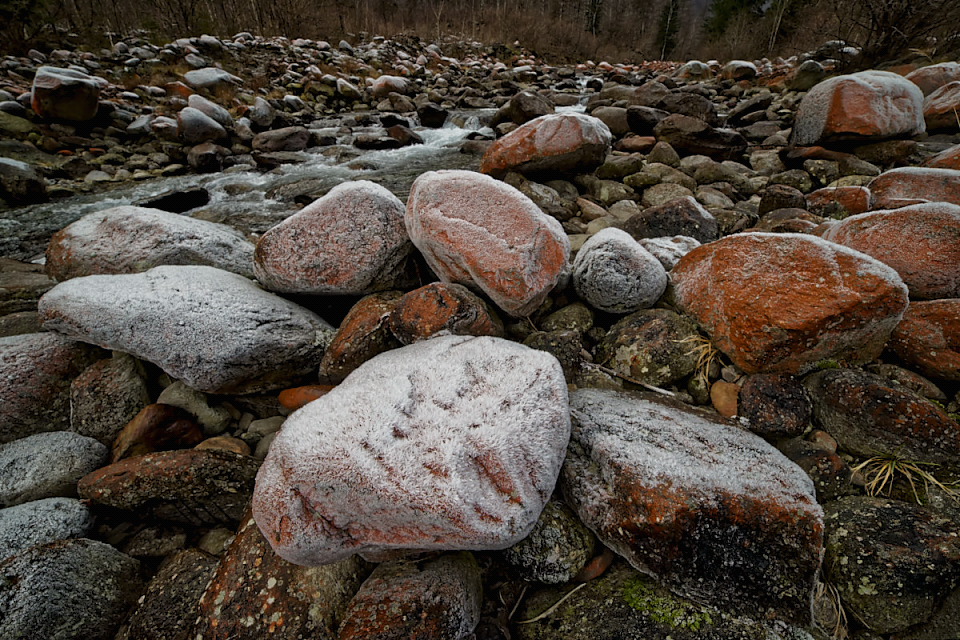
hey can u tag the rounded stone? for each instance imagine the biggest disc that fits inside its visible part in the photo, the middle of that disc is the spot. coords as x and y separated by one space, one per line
614 273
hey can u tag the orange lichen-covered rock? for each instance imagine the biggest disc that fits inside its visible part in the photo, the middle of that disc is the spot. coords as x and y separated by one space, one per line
783 302
839 201
442 307
914 185
946 159
363 334
941 109
568 142
349 242
479 232
157 427
296 397
922 242
869 104
932 77
713 512
928 337
65 94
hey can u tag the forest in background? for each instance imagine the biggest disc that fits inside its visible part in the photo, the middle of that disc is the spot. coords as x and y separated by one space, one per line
560 30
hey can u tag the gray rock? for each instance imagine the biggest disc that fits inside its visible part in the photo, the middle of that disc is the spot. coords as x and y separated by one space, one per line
194 127
216 331
653 346
211 109
106 396
210 79
47 465
613 273
669 250
556 550
262 114
70 590
20 183
40 522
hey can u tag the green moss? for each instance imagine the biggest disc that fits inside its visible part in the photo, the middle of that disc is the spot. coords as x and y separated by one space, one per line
827 364
664 608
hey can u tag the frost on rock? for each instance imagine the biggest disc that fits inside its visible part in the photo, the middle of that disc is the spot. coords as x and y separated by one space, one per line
669 250
710 510
352 241
614 273
451 443
481 233
214 330
869 104
130 239
914 185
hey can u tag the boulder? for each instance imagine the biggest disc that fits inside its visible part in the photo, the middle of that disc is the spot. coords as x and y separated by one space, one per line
947 159
928 338
941 109
46 465
363 334
654 346
386 84
262 114
921 242
65 94
693 136
613 273
774 405
194 127
781 303
711 511
568 143
838 202
934 76
211 109
20 183
442 308
41 522
868 104
211 79
285 139
352 241
522 108
458 446
215 330
479 232
914 185
738 70
106 396
129 239
207 157
682 216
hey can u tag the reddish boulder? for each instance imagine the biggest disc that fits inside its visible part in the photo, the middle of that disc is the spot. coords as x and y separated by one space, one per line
946 159
921 242
65 94
932 77
349 242
838 202
479 232
784 302
869 104
296 397
157 427
928 337
941 109
363 334
569 142
914 185
385 84
442 308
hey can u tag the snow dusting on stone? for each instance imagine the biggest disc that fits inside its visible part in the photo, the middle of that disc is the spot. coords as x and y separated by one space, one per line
669 250
614 273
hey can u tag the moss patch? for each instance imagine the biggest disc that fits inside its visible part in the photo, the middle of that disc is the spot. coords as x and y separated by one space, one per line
666 609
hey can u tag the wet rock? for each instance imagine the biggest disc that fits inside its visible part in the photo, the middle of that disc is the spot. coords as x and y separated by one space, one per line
438 599
71 590
20 183
914 185
870 416
350 242
654 346
41 522
207 157
691 135
783 302
46 465
130 239
177 201
450 416
156 427
642 120
556 550
363 334
192 486
255 593
194 127
928 338
432 115
921 242
869 104
65 94
476 231
36 370
683 216
572 142
893 563
106 396
441 308
613 272
216 331
285 139
774 405
712 512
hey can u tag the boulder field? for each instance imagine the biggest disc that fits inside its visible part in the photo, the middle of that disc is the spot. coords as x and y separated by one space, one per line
676 357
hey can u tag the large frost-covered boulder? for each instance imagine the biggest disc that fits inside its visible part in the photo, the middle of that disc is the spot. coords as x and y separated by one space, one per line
41 521
784 302
481 233
450 443
129 239
928 338
214 330
351 241
614 273
712 511
869 104
914 185
564 142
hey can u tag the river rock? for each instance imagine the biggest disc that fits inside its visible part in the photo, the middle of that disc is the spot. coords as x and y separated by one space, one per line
784 302
41 522
192 486
65 94
479 232
285 139
262 114
442 308
868 104
36 370
70 590
838 202
522 108
556 550
928 338
711 511
669 250
774 405
941 108
194 127
363 334
458 447
613 273
893 563
693 136
106 396
437 599
921 242
157 427
46 465
568 142
211 79
20 183
949 158
682 216
871 416
934 76
129 239
914 185
351 241
216 331
385 84
655 346
211 109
